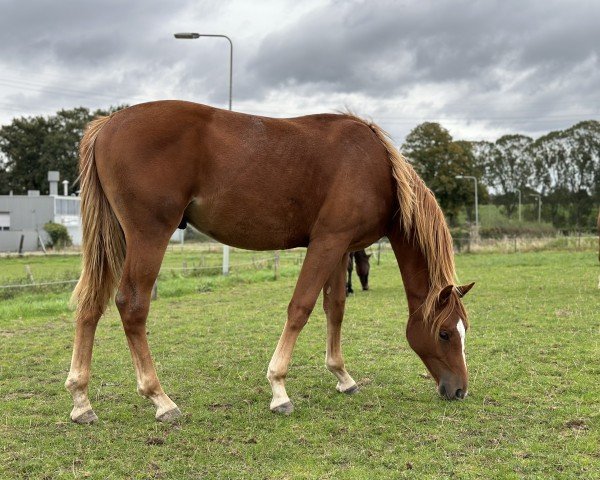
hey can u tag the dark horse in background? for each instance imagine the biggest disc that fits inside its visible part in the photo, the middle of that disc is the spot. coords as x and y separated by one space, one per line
361 258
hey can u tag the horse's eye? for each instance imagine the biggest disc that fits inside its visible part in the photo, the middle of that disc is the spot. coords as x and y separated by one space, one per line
444 335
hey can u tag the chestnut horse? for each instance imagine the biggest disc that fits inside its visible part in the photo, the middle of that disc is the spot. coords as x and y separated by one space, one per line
262 184
363 266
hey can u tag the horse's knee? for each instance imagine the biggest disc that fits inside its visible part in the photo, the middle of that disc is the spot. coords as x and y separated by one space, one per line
298 314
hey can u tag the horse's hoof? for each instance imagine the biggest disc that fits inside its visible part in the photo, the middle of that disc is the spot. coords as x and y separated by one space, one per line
169 416
85 418
352 390
285 408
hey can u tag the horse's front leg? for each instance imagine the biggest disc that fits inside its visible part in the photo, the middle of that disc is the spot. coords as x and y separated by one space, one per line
322 257
334 301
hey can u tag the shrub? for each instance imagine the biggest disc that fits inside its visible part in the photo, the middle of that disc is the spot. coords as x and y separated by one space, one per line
58 234
534 230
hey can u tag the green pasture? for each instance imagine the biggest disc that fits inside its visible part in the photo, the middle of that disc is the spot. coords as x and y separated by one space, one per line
532 411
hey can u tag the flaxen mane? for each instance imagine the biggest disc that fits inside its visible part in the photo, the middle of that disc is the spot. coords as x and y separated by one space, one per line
422 220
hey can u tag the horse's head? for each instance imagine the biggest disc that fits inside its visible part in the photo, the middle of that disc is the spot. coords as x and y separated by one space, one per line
441 344
362 268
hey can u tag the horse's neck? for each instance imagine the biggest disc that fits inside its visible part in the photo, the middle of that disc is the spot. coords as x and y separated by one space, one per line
413 268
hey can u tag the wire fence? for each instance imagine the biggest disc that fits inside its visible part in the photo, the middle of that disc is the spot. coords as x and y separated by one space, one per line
516 243
186 270
204 259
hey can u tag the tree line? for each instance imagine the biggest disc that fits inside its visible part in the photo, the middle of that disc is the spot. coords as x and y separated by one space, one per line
563 167
31 146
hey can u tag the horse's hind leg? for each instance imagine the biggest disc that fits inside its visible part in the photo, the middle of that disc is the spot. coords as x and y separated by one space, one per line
334 301
142 264
79 374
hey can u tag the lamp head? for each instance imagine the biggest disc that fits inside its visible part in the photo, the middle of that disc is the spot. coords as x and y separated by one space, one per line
186 35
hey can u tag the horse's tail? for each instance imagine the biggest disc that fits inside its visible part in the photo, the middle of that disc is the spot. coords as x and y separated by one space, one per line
103 237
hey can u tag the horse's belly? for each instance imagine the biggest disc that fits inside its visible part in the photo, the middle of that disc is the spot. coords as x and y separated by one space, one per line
236 224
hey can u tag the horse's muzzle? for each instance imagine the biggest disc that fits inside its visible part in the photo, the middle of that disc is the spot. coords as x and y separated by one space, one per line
450 393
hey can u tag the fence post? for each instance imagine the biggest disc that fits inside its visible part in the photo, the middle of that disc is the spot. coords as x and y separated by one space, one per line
276 265
154 295
378 252
29 274
515 240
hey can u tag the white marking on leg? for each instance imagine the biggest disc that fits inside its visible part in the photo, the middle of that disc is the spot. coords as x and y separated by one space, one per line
345 381
276 376
460 326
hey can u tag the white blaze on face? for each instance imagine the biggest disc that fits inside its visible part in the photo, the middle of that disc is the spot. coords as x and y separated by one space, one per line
460 326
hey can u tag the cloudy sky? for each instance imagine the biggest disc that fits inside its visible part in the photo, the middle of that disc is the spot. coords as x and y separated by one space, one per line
481 68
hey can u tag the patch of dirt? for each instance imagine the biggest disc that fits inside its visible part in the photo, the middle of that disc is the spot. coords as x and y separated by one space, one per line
155 441
577 424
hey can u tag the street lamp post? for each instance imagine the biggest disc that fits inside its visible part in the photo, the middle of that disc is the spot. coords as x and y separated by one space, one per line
519 192
476 200
193 36
539 197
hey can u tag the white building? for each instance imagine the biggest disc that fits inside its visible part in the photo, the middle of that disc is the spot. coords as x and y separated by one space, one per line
22 217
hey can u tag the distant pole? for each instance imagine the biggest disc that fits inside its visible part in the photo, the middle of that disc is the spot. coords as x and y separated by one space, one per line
193 36
539 198
154 294
519 192
225 259
276 265
476 199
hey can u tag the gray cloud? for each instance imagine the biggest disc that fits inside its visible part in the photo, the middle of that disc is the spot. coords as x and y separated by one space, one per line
440 42
481 68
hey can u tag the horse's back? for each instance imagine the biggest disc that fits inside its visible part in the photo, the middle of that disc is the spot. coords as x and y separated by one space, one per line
250 181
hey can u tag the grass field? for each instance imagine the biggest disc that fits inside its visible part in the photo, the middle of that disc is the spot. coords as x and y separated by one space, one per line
532 411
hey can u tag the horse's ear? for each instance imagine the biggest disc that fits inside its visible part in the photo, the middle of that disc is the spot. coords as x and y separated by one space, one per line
445 294
464 289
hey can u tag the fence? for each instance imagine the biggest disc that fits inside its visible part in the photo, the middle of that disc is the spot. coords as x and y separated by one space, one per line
515 243
200 267
206 258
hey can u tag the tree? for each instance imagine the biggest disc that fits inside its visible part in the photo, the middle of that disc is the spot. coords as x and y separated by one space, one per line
439 160
567 166
30 146
508 166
